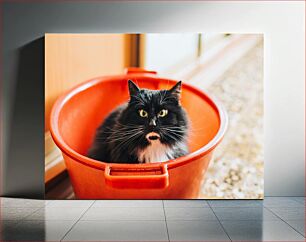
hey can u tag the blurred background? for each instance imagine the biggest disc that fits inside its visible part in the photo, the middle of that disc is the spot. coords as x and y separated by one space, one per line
227 66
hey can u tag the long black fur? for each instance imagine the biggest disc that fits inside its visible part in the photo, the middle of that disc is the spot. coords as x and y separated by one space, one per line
123 132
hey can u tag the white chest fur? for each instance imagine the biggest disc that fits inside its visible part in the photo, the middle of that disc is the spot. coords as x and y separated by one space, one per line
155 152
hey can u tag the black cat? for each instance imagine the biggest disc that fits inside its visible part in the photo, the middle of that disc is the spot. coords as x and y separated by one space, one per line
151 127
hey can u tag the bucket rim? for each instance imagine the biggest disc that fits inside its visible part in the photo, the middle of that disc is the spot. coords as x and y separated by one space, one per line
68 151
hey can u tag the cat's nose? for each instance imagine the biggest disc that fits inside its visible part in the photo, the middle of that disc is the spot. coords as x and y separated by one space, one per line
152 122
152 136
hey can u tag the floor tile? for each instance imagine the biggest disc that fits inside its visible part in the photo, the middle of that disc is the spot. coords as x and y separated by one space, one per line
22 203
118 231
300 200
299 225
260 231
70 203
39 230
57 214
189 214
196 231
281 202
127 203
235 203
5 225
124 214
185 203
290 213
244 214
16 213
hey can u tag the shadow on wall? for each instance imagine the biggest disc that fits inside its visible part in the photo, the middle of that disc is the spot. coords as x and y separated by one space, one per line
30 230
26 134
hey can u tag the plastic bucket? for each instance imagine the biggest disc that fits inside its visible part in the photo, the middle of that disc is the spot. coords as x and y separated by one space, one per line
76 115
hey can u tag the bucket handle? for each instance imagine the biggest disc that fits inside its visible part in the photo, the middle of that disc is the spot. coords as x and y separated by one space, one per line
136 181
131 70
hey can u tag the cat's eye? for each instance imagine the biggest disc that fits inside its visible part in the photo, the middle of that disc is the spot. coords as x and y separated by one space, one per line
143 113
162 113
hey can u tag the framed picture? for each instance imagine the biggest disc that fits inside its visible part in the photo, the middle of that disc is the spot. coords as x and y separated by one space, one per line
154 116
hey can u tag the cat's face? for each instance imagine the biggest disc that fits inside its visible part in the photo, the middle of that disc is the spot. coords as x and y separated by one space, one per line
156 114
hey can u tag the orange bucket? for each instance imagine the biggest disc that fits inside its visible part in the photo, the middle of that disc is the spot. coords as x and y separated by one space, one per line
76 115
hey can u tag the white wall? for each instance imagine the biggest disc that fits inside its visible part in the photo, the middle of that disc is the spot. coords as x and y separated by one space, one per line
283 25
168 45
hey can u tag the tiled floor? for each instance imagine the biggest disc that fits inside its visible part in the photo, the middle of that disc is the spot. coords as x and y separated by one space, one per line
274 219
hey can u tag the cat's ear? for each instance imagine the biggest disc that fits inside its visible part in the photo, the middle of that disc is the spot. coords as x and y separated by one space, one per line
133 88
176 90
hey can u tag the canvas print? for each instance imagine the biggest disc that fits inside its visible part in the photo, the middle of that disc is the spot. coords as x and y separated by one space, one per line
154 116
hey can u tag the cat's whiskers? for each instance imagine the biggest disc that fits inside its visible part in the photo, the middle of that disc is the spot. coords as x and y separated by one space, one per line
191 131
122 132
174 134
125 134
116 151
128 125
175 129
114 140
124 128
189 134
176 126
127 131
124 143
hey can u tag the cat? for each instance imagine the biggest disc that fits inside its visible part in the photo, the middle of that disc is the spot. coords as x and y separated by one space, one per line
151 127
